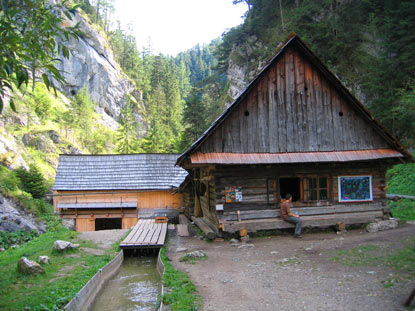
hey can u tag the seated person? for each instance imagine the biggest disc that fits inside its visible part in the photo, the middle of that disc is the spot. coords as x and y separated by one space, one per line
288 216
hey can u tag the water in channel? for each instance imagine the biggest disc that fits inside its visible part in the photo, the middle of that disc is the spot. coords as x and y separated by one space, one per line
135 287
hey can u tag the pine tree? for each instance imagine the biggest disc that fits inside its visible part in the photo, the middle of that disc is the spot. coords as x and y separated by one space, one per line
32 181
127 131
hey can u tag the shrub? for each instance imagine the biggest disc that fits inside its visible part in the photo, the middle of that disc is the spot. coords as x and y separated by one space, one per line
8 239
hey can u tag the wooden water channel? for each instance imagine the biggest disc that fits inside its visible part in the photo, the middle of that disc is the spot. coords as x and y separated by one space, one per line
146 234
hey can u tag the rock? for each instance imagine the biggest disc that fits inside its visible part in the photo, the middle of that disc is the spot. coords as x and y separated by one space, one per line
91 64
14 246
44 260
382 225
181 249
55 137
196 254
233 241
61 246
246 246
27 266
245 239
2 249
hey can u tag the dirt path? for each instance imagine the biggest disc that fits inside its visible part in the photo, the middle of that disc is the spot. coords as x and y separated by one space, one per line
282 273
103 238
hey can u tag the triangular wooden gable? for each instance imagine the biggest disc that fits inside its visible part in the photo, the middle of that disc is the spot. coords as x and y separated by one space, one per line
295 105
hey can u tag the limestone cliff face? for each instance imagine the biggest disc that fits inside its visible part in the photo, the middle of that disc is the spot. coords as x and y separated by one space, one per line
243 65
92 64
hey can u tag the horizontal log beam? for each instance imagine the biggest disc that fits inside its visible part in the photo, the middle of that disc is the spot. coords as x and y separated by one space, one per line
308 221
209 233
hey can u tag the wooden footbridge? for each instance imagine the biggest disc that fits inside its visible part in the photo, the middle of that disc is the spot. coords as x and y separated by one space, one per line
145 234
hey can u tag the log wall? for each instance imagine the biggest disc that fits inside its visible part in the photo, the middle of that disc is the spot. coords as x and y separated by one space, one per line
293 108
257 194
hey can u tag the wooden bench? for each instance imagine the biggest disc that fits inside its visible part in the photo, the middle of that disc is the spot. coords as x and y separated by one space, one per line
269 219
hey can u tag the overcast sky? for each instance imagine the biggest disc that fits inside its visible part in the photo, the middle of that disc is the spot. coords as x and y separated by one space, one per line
177 25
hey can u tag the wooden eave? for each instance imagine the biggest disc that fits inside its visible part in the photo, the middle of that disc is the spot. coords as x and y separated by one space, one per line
293 39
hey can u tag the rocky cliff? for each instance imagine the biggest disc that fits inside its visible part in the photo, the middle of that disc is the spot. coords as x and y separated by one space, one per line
92 64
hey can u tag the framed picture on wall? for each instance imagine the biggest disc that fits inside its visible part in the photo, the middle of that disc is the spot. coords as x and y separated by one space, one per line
355 188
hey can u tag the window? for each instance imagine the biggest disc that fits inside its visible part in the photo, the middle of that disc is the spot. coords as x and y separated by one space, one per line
302 189
355 188
315 189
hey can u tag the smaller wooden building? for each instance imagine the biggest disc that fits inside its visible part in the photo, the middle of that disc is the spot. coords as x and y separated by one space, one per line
295 129
97 192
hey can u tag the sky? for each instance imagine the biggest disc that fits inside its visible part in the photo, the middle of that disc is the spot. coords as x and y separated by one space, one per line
174 26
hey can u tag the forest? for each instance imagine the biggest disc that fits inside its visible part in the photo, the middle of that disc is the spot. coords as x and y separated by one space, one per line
367 44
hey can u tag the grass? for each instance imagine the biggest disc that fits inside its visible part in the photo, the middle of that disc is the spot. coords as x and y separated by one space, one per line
401 260
180 292
403 209
192 260
63 278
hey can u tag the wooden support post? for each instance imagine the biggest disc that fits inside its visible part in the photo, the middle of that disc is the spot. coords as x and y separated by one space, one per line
210 234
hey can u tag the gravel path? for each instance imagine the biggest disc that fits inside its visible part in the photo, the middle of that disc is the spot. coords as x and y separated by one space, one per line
282 273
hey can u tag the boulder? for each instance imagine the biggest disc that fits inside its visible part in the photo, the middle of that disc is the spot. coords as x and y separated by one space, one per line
382 225
27 266
2 249
61 246
44 260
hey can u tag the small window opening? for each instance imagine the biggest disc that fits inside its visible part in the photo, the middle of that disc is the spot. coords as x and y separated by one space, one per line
246 113
290 185
107 223
341 113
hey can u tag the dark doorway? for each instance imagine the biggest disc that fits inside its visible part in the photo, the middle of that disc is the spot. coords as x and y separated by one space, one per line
107 223
290 185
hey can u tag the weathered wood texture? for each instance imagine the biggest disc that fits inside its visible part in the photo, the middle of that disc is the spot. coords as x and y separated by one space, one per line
308 221
253 181
208 231
293 108
146 234
309 211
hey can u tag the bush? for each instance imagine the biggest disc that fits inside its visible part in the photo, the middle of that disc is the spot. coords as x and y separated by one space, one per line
8 239
8 181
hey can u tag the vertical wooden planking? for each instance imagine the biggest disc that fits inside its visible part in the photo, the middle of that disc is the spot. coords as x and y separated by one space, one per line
318 107
272 112
331 125
85 225
313 110
289 105
282 117
301 109
326 117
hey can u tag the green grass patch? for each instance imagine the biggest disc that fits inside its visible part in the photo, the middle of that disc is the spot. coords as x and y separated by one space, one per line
401 260
180 292
192 260
403 209
67 273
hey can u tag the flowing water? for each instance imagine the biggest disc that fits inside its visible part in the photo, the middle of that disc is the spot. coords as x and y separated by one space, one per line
134 288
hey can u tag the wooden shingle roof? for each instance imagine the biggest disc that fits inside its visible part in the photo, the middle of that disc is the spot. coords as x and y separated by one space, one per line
118 172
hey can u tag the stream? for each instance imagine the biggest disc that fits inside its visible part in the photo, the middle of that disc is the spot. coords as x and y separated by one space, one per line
135 287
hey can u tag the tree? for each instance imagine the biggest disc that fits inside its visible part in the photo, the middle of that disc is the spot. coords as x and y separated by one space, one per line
32 181
195 113
31 36
127 131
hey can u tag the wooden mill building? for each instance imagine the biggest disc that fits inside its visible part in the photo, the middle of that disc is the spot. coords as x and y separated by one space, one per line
295 129
95 192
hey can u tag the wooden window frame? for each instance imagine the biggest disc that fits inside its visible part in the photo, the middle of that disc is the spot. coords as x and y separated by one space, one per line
274 192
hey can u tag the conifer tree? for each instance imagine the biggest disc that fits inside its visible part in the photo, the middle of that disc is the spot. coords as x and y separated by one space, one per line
127 131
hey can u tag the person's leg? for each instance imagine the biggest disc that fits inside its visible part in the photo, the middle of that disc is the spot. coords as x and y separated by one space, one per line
298 224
